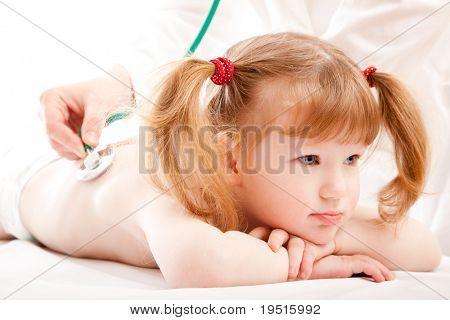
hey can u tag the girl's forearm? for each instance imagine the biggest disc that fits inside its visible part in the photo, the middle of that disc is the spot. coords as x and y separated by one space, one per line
230 259
411 247
193 253
250 261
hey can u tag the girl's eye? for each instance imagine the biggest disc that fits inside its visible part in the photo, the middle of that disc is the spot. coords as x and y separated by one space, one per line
312 160
353 159
309 160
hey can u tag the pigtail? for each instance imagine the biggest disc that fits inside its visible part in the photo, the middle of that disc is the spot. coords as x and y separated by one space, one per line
183 140
402 119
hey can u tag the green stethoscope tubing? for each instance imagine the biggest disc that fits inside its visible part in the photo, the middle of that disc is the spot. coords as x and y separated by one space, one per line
204 28
190 52
111 119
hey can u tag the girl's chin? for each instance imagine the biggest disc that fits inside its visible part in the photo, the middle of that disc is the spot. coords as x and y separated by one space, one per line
321 235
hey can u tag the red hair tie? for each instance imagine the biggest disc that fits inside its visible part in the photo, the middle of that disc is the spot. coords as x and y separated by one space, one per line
224 71
367 73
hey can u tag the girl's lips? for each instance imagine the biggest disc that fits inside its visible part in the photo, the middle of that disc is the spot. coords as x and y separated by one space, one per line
328 218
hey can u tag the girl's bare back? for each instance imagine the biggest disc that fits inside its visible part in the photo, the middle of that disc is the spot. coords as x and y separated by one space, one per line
94 219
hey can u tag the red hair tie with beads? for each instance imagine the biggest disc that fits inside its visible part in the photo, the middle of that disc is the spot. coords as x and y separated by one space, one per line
224 71
367 72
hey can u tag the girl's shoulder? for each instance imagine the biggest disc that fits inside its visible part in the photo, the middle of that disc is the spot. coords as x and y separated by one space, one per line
130 172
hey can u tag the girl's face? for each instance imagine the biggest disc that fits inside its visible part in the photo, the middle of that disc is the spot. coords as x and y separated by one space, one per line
288 180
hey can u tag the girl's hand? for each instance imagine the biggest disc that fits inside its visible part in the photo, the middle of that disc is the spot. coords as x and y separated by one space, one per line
302 253
333 266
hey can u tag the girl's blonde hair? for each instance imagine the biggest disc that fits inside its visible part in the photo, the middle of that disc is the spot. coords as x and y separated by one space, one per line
333 100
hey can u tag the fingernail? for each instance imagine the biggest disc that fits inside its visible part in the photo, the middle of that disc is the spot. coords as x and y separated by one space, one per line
91 137
80 152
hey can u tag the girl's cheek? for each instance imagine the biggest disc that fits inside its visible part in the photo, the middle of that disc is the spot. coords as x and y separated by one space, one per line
354 191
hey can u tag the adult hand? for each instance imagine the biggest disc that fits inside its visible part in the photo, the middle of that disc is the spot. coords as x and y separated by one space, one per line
81 109
302 253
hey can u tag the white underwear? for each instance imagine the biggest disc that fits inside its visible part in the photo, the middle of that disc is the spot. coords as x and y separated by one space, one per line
17 165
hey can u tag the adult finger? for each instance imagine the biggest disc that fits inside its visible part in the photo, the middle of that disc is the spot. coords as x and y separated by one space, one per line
295 253
277 238
65 136
91 128
62 151
68 155
52 111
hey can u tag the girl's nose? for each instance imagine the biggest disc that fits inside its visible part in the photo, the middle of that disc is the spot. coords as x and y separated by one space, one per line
334 186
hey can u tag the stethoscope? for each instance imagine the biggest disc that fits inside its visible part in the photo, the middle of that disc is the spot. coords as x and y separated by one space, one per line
98 160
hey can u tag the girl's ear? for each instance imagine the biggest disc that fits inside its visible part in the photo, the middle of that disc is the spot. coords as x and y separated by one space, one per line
230 151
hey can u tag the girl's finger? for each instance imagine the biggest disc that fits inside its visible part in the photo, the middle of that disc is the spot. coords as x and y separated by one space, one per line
375 272
324 250
295 253
309 256
387 274
370 270
260 233
277 238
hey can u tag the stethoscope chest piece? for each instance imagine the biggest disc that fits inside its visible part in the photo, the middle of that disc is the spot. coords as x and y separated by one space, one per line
96 163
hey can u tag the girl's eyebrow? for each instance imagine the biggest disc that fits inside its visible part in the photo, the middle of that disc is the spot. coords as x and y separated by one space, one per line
363 150
314 149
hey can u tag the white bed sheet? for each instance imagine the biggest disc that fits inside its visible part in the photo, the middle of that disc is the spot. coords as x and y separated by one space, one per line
74 278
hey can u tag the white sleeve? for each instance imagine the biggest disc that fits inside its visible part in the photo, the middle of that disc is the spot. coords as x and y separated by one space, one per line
170 29
171 26
163 36
385 33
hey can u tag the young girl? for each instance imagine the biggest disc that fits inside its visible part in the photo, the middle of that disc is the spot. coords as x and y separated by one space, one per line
253 181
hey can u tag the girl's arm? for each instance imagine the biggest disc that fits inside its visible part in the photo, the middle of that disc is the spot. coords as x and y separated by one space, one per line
192 253
333 266
411 247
